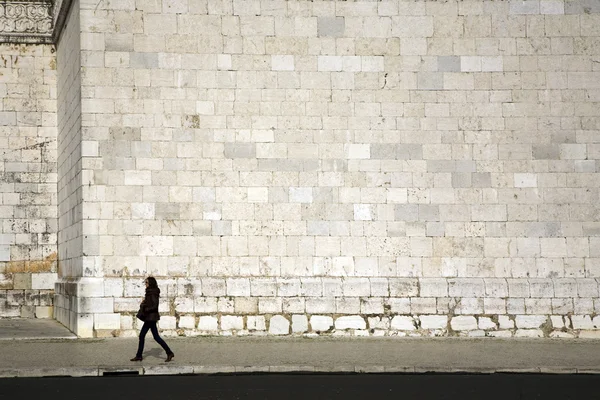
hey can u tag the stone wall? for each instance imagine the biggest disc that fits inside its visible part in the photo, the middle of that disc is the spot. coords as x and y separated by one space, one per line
366 168
70 209
28 199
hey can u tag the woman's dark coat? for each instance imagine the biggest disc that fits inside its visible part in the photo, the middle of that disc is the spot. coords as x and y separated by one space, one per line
149 307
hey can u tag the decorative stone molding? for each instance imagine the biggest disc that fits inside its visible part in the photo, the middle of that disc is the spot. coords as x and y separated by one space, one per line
26 21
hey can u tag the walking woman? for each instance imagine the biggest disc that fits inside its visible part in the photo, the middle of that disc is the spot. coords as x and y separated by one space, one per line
149 314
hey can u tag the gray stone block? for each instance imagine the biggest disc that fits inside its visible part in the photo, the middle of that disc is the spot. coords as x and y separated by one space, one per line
143 60
449 63
430 80
383 151
545 152
406 212
221 228
582 6
481 179
409 152
461 180
240 150
331 26
429 212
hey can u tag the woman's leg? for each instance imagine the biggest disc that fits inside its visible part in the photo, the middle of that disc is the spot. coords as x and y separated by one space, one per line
143 332
158 339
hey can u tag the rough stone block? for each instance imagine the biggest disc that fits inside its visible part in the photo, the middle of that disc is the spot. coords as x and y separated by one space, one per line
433 321
232 322
279 325
208 323
350 322
403 323
464 323
321 323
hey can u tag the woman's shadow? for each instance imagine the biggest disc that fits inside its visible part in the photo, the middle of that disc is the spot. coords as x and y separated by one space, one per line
155 353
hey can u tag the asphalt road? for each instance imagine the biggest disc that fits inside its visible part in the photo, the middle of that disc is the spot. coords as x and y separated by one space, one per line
326 387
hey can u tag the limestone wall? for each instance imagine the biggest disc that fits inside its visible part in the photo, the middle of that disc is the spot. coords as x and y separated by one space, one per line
365 168
28 224
70 214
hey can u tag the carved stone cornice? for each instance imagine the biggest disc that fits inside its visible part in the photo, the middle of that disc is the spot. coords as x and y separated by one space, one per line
26 21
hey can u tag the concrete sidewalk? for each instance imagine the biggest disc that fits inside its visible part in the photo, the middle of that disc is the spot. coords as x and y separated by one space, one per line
203 355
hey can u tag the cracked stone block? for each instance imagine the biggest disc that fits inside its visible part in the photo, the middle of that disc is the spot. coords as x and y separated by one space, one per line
486 323
530 321
279 325
449 63
256 323
331 26
582 322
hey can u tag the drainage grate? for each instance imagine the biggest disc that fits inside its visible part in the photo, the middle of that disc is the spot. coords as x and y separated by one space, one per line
121 373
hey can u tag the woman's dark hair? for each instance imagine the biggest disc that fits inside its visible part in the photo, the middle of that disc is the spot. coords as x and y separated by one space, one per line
152 282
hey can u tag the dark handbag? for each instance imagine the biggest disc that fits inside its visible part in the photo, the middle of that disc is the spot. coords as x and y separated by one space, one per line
141 315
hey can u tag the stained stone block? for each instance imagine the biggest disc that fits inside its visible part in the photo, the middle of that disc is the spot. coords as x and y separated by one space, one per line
430 80
331 26
240 150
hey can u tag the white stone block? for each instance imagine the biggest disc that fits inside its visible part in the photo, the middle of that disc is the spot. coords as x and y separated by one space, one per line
279 325
372 63
224 61
258 195
470 63
142 210
525 180
403 323
301 194
492 64
282 63
350 322
86 287
486 323
156 246
558 321
43 281
330 63
232 322
299 323
582 322
107 321
167 322
433 321
358 151
363 212
505 322
256 323
464 323
187 322
208 323
321 323
552 6
138 178
529 333
530 321
238 287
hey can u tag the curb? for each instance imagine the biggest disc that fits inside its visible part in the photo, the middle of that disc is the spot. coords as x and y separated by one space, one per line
274 369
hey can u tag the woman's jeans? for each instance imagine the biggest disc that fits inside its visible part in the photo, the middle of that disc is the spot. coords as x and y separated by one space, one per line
150 325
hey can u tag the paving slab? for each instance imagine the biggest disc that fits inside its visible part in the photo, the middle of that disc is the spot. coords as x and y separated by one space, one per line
243 355
33 329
